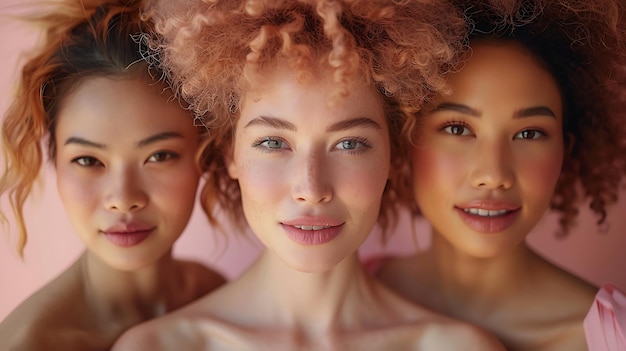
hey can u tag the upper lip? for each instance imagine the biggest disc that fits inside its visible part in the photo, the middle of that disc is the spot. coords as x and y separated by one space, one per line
128 228
490 205
312 221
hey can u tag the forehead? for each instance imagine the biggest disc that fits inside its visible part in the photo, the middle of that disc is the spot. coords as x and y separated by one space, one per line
505 71
126 105
286 96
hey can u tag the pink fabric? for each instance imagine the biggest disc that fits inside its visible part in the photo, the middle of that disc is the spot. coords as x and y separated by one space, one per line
605 324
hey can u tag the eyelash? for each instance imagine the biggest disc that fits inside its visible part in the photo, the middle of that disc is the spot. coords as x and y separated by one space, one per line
358 150
94 161
454 123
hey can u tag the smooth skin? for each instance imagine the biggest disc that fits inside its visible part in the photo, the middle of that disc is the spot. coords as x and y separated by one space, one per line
304 164
485 166
125 162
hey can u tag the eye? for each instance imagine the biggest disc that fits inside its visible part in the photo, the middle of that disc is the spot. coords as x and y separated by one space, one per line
530 134
457 128
270 144
87 161
162 156
353 144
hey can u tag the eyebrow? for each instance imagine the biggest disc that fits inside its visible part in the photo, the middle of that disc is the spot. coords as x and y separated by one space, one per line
140 144
279 123
521 113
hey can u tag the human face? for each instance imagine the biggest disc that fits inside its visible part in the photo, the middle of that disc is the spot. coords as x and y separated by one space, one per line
311 174
125 169
488 157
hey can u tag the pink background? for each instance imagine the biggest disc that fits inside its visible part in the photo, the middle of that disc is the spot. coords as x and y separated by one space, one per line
594 256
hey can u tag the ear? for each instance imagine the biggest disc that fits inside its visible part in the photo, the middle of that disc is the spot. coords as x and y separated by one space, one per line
231 166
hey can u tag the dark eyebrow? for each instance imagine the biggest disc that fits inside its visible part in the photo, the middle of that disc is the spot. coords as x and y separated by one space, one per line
142 143
534 111
272 122
159 137
522 113
464 109
353 123
84 142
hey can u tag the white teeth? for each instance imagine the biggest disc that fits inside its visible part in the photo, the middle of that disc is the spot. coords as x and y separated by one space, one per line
485 213
311 227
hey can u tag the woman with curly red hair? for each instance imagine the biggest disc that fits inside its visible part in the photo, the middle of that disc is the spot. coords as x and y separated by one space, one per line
535 122
124 155
305 102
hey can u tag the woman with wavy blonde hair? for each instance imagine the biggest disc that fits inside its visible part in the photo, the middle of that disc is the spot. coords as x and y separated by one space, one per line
535 122
305 102
126 167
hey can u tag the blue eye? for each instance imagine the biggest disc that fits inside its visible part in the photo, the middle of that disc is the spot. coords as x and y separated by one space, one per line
530 134
87 161
352 144
270 144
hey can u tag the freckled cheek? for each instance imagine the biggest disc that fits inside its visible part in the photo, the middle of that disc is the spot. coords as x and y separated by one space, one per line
262 182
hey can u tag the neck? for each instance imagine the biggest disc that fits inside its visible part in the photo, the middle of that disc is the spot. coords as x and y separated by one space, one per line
313 303
482 283
136 294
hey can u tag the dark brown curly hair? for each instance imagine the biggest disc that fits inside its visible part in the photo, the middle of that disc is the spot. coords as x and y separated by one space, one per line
214 50
583 44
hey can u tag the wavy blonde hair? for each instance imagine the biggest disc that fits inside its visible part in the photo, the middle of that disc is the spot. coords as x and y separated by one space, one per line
214 51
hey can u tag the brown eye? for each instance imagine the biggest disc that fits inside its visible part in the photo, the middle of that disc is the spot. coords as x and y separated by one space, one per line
162 156
529 134
86 161
457 129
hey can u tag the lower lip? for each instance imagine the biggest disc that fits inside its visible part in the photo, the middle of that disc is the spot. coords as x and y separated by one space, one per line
312 237
488 225
128 239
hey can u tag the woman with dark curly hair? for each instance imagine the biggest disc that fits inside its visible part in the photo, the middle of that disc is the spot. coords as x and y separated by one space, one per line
125 160
535 121
306 102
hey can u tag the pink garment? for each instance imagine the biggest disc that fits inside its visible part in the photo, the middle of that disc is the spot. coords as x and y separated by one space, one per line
605 323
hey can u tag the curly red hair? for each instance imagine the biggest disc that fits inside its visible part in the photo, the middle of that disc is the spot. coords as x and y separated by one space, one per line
83 38
214 51
583 44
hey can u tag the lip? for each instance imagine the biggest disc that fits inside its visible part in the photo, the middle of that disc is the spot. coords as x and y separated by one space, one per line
491 224
128 234
310 236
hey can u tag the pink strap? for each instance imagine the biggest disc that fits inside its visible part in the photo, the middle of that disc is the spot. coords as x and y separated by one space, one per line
605 324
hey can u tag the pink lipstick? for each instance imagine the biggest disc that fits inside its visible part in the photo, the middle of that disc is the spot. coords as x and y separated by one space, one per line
311 231
127 235
488 216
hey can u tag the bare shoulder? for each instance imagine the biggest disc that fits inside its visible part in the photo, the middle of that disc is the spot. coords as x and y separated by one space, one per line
569 297
157 334
453 335
180 330
200 278
44 315
46 336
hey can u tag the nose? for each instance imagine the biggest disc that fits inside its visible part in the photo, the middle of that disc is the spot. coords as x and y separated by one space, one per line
311 179
125 192
492 166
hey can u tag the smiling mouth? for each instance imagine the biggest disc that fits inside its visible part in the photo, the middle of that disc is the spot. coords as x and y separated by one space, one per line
312 227
485 213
